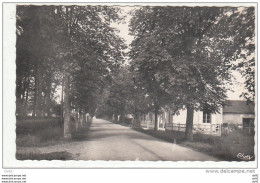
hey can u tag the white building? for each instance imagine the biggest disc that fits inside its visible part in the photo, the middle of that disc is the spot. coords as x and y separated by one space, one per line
236 112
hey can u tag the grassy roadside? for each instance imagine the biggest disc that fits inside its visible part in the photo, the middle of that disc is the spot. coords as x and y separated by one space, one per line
35 133
226 148
62 155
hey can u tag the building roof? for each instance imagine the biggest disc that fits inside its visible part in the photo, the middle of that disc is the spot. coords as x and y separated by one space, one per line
239 107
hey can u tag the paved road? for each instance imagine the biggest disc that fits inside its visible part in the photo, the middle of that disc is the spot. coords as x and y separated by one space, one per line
108 141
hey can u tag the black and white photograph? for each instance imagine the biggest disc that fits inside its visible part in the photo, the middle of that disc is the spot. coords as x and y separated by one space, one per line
132 83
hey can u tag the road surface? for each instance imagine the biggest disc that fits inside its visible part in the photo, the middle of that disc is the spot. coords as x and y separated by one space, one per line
109 141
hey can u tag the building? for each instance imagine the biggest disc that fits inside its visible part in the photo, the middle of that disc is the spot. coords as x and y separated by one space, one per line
240 113
235 112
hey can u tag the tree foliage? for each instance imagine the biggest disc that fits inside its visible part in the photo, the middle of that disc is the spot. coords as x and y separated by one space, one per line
185 54
181 57
73 46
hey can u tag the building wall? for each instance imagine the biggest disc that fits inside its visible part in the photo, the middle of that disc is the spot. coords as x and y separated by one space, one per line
180 118
197 117
236 118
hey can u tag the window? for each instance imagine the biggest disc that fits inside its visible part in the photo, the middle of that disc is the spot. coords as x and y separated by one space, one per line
248 122
206 117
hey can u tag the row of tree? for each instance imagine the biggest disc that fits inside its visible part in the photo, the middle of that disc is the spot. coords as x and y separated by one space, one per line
183 57
70 46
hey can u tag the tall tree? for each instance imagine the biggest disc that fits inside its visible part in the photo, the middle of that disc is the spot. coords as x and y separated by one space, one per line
120 92
237 27
171 46
96 49
80 40
35 57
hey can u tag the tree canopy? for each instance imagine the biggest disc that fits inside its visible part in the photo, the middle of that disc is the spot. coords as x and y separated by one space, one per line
185 54
181 57
72 46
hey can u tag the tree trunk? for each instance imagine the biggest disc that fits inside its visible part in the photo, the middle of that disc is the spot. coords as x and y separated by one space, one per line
138 120
39 112
35 91
84 118
61 102
19 101
122 117
89 119
48 96
38 93
66 108
27 96
76 117
156 119
80 119
189 123
113 117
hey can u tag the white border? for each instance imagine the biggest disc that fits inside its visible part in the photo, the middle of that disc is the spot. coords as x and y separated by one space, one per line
9 161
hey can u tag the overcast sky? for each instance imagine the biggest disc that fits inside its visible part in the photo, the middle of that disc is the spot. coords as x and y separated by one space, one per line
124 27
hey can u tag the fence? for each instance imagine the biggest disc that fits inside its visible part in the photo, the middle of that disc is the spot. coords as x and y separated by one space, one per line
148 124
212 129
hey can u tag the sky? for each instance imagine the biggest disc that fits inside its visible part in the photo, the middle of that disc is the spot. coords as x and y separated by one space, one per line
124 27
238 87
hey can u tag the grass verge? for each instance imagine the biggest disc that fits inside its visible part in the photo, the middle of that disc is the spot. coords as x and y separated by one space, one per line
226 148
44 156
45 132
38 133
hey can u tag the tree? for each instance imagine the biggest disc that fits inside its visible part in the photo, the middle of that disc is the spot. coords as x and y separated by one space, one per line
237 26
122 97
91 57
148 75
35 59
80 41
120 92
172 51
